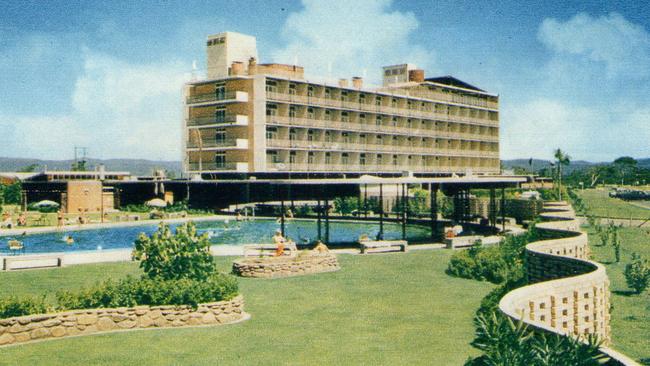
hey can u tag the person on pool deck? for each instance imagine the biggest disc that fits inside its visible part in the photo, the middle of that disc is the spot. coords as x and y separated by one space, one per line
59 218
280 242
22 219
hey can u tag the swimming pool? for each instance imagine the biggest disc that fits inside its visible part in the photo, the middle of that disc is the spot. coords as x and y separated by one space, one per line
230 232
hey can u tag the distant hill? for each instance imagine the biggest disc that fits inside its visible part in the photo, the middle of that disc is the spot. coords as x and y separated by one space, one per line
134 166
575 165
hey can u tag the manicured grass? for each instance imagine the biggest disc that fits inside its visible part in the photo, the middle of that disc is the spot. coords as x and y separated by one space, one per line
379 309
630 320
600 204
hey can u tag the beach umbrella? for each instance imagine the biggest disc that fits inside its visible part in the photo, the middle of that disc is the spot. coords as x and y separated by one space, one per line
156 202
46 203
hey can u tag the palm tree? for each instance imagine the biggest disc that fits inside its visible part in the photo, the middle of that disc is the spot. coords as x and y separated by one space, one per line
562 159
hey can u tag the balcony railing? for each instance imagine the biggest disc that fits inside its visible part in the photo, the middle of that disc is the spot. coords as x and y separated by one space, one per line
373 128
212 143
376 148
320 167
369 106
231 119
234 96
202 167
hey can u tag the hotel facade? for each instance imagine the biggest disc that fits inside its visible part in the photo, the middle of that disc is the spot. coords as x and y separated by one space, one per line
256 119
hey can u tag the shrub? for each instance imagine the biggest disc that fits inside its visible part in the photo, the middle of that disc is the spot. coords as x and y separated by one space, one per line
174 256
13 306
505 342
132 291
637 273
496 264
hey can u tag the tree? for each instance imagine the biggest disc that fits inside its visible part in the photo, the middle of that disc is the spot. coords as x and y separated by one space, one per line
626 167
13 193
28 168
637 273
561 159
174 256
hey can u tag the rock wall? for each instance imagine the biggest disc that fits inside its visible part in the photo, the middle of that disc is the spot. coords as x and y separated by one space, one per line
89 321
568 294
273 267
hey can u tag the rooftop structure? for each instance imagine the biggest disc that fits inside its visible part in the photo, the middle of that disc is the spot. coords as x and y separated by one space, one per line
258 119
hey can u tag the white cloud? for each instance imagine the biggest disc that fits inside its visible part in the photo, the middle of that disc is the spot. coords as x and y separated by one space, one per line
350 38
119 109
622 46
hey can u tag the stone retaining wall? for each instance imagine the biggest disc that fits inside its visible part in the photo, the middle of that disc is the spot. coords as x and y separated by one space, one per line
569 293
273 267
89 321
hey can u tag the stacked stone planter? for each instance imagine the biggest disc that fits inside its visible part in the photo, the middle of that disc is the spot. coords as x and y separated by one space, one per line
89 321
273 267
569 294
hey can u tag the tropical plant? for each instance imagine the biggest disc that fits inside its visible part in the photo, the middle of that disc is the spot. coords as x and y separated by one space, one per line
561 159
637 273
168 256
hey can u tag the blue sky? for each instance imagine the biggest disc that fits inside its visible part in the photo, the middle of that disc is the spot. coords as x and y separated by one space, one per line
108 75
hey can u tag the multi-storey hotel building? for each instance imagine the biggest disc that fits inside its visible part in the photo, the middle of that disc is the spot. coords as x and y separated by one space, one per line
256 118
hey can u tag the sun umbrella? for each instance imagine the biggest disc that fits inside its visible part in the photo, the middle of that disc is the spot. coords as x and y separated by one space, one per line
44 203
156 202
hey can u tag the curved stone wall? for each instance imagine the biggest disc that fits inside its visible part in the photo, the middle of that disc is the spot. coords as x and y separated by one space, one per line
569 294
89 321
273 267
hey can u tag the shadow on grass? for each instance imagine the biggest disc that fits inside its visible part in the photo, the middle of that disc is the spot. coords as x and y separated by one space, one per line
626 293
645 361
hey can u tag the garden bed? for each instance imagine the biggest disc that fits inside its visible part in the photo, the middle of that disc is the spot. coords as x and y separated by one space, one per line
273 267
90 321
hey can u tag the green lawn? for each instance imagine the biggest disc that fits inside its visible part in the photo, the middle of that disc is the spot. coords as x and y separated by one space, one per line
379 309
631 313
600 204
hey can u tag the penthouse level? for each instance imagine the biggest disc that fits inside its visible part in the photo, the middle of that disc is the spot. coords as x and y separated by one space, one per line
267 118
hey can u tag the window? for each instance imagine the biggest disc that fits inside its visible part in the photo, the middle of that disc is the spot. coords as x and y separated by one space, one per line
292 89
380 140
271 110
328 93
310 157
345 117
362 139
395 140
310 135
310 113
292 134
220 115
380 159
409 104
292 157
378 121
220 160
409 123
328 136
345 158
362 118
362 159
328 158
328 115
394 121
387 72
362 98
310 91
272 157
378 100
395 160
393 103
271 86
220 136
220 91
346 137
292 111
271 133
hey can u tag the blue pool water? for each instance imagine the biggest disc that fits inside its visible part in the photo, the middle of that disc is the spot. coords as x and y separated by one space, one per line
258 231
